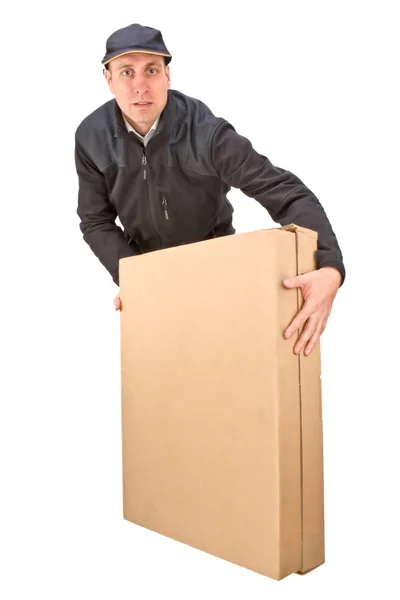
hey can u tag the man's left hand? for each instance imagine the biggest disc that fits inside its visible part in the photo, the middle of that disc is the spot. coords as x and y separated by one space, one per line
319 289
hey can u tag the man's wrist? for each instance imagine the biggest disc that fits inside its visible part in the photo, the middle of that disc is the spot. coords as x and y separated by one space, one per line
335 273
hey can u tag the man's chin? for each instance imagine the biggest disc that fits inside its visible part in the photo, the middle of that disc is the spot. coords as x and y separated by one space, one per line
138 119
140 116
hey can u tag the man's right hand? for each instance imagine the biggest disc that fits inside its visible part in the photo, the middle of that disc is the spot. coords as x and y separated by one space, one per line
117 302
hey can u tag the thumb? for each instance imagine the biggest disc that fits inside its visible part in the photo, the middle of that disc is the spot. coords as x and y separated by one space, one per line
117 303
292 282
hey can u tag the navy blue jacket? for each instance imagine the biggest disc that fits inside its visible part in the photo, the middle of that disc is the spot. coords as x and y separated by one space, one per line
174 191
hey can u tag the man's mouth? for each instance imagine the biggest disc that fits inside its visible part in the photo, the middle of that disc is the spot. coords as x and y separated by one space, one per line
143 103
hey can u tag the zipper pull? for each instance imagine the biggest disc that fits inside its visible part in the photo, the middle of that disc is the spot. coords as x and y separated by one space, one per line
144 163
165 204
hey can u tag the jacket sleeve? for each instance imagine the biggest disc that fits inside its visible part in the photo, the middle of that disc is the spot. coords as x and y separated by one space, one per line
105 238
284 195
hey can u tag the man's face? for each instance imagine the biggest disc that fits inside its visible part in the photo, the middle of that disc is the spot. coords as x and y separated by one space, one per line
139 77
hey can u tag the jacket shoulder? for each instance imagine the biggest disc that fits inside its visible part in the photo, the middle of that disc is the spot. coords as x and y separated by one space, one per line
96 122
94 135
195 125
195 110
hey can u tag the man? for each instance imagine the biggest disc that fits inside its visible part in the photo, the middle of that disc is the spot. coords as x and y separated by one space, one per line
163 163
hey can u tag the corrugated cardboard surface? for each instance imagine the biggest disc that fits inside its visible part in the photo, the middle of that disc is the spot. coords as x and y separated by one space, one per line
221 422
313 553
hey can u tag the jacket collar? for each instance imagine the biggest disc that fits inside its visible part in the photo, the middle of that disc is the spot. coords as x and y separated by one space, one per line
167 117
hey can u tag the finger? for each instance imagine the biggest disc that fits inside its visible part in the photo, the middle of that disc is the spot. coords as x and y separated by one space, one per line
296 281
292 282
314 338
307 333
323 324
301 317
325 321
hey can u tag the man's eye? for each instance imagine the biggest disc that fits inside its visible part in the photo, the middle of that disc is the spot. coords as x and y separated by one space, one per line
126 71
155 70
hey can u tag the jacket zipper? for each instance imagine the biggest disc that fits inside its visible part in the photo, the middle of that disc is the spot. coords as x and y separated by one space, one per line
144 164
165 205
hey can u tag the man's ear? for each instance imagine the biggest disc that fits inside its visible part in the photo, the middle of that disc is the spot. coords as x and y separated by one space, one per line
167 72
107 75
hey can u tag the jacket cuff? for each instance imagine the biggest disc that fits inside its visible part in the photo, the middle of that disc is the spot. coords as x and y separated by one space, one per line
333 263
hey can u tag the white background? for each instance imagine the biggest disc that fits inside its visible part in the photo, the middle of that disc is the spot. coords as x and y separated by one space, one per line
314 86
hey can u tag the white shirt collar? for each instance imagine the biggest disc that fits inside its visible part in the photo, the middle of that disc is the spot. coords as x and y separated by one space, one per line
148 135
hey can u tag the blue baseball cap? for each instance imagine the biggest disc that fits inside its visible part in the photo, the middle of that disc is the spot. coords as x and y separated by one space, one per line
135 38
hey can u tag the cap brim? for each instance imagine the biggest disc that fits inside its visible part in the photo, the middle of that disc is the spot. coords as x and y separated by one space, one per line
105 62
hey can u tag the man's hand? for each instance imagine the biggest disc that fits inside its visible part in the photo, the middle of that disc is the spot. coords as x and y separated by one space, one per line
319 289
117 302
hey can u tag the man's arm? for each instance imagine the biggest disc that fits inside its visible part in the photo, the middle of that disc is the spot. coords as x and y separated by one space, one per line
287 200
98 215
282 193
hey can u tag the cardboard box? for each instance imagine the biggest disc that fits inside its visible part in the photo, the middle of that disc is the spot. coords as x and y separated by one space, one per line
221 421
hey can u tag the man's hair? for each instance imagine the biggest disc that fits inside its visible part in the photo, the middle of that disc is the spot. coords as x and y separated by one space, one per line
107 66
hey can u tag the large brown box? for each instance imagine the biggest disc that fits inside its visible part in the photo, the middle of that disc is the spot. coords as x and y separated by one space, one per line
221 421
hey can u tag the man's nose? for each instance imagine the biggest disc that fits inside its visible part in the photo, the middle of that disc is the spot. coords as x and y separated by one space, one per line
140 84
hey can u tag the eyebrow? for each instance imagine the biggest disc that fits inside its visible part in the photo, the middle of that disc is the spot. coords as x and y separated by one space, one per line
149 64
